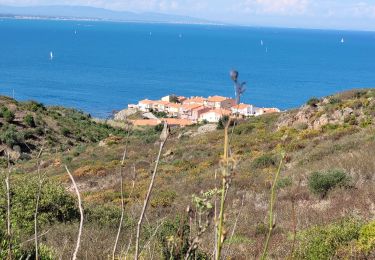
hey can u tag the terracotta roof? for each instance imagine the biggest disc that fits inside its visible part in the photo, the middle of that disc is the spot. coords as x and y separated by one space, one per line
146 101
194 100
146 122
174 105
161 102
191 106
216 99
271 110
240 106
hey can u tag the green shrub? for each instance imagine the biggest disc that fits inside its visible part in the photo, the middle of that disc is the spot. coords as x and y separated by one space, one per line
174 238
105 216
261 229
321 182
34 106
56 204
264 161
163 199
244 129
158 128
29 120
351 120
313 102
334 100
8 115
2 110
10 136
366 241
65 131
284 182
322 242
222 122
365 122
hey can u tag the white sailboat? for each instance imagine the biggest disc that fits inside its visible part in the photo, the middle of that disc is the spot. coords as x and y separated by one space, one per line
261 42
342 40
51 55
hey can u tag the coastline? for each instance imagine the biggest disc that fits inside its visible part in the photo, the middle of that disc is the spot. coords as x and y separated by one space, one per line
80 19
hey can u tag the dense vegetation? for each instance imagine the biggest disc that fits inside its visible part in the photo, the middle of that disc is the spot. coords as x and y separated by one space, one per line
325 194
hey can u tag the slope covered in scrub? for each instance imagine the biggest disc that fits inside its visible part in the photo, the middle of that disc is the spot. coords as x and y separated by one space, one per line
325 203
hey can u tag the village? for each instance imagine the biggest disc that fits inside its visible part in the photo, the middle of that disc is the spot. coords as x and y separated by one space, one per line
183 111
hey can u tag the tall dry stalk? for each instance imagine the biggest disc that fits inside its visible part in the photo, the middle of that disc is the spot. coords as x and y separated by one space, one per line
80 211
227 163
271 207
225 174
122 195
9 227
163 138
131 229
40 182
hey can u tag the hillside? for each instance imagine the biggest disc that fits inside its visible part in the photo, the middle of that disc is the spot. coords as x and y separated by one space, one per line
325 203
26 127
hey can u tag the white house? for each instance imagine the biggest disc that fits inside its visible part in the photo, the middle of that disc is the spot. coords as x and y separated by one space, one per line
244 110
145 105
214 115
219 102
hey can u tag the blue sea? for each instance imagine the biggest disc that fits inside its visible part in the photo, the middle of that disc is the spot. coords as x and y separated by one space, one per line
99 67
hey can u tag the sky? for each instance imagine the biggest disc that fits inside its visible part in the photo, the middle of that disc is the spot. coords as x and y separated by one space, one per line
333 14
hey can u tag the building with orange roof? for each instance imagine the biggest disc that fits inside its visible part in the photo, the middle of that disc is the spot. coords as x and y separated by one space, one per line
194 101
145 105
160 105
265 110
181 99
219 102
173 109
214 115
192 112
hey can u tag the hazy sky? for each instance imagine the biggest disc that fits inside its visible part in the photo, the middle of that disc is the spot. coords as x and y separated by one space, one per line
343 14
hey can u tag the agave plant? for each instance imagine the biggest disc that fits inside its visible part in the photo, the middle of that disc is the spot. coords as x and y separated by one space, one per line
238 86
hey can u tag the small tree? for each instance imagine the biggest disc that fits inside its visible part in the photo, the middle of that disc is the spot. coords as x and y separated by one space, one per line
321 183
174 99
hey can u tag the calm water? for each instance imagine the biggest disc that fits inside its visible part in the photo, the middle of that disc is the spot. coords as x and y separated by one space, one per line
104 66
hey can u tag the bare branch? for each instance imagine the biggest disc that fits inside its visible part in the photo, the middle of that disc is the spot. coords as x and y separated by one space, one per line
80 211
271 206
40 182
31 239
9 230
163 138
122 196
